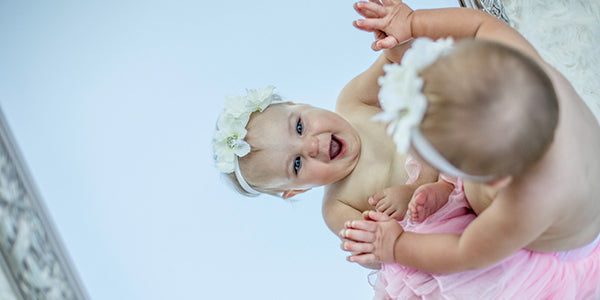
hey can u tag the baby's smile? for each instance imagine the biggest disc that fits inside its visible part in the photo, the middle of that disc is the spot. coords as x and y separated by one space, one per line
335 147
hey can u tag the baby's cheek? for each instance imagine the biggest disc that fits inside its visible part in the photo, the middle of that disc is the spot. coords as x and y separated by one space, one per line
325 175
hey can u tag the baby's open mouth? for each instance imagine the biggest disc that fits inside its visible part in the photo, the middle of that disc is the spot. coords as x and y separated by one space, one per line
335 147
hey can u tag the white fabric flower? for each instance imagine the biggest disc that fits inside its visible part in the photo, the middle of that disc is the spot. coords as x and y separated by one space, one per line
236 106
228 140
424 52
400 94
259 99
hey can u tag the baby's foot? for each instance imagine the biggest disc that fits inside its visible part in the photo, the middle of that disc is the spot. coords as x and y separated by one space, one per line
427 199
392 201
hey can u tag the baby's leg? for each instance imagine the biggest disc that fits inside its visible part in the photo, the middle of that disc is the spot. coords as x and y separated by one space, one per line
427 199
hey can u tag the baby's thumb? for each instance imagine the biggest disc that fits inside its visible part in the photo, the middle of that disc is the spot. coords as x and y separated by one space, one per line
387 42
374 46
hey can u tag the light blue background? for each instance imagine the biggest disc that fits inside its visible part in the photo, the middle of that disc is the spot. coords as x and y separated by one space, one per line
113 104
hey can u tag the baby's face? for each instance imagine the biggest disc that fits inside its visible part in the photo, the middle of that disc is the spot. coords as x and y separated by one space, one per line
299 147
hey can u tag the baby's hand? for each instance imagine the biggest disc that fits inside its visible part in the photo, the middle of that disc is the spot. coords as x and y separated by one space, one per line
389 20
372 240
393 201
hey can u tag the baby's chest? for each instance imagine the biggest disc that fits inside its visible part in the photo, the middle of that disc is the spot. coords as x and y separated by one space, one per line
379 154
372 175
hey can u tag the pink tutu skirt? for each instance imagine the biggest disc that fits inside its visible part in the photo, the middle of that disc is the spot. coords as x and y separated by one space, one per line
523 275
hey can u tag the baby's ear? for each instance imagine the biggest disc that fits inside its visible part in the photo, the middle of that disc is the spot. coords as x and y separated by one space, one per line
291 193
500 183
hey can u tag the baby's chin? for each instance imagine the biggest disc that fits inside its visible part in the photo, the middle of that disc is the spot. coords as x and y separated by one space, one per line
340 176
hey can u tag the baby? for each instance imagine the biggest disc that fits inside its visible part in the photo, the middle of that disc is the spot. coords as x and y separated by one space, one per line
492 118
264 145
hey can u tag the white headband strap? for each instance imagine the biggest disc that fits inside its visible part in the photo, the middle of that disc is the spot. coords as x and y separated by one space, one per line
242 181
436 160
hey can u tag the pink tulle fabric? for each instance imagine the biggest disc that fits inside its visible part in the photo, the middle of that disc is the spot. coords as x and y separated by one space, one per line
523 275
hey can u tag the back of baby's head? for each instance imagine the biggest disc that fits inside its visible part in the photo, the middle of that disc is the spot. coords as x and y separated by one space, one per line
491 110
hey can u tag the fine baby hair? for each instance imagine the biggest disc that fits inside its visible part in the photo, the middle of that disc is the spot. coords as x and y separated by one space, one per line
229 139
463 94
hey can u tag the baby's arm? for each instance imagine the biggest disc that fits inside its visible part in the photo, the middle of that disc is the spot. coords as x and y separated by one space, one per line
502 229
399 23
363 89
335 213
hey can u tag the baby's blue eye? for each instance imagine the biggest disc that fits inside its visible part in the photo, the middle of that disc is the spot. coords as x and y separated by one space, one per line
296 165
299 126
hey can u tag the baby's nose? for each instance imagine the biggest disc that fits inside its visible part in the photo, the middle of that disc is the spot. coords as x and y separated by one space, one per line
311 146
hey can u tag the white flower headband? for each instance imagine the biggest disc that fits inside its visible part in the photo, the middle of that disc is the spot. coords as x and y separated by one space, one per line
404 104
228 141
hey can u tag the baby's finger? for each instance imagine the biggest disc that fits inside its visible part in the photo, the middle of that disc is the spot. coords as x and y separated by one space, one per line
361 225
374 46
363 258
357 248
370 9
370 24
387 2
357 235
363 29
387 42
364 12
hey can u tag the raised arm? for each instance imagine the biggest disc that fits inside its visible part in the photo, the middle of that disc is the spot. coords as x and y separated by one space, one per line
363 89
399 23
